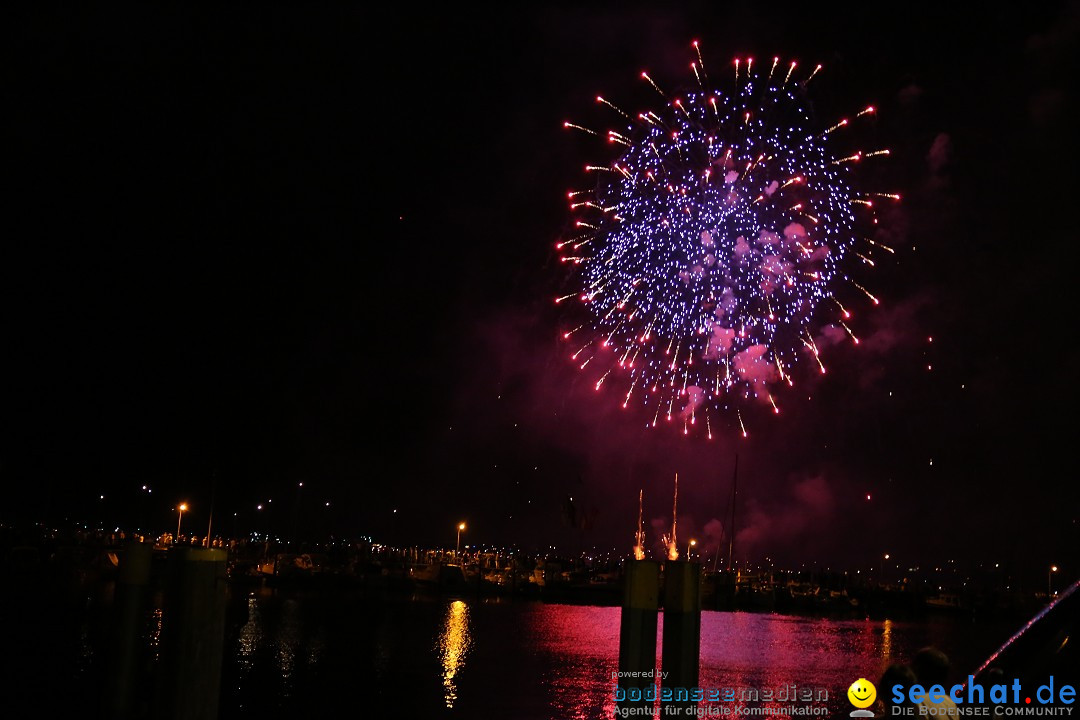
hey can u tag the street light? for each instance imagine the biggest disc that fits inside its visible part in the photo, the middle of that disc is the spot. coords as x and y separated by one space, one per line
182 507
1049 576
460 527
689 545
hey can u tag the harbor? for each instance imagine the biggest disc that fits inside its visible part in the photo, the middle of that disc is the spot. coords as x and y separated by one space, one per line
586 577
417 647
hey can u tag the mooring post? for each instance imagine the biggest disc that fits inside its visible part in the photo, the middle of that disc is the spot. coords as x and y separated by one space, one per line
682 637
125 664
636 687
193 635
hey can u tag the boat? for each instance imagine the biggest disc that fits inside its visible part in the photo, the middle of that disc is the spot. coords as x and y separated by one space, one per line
944 601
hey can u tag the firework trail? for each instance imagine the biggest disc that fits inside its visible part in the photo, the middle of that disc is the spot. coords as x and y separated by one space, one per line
707 256
639 538
673 541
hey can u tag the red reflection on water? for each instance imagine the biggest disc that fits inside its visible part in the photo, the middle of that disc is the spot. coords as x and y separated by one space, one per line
823 656
583 642
738 650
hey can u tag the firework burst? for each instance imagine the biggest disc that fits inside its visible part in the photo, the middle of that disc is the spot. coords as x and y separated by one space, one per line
709 254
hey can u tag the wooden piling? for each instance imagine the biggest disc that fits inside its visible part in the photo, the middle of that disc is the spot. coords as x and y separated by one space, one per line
682 637
636 687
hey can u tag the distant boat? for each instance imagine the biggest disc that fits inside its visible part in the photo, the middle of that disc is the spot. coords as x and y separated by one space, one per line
425 574
944 601
436 573
840 599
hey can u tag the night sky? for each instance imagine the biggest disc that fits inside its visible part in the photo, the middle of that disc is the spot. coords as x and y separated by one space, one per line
253 248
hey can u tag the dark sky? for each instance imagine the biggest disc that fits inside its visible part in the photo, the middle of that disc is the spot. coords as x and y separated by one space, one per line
259 247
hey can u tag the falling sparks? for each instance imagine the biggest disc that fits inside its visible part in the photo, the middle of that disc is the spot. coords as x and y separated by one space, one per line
790 70
653 83
866 292
579 127
848 331
704 253
837 126
599 99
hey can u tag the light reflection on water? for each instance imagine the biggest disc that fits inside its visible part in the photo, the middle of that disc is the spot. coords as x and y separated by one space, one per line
86 648
582 643
744 650
155 633
468 657
749 650
250 636
453 645
287 639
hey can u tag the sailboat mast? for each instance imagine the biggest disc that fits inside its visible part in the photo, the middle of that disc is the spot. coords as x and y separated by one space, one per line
731 531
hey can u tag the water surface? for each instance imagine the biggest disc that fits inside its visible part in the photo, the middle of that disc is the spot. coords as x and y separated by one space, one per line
479 658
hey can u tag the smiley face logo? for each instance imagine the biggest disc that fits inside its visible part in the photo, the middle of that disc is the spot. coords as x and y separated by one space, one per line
862 693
